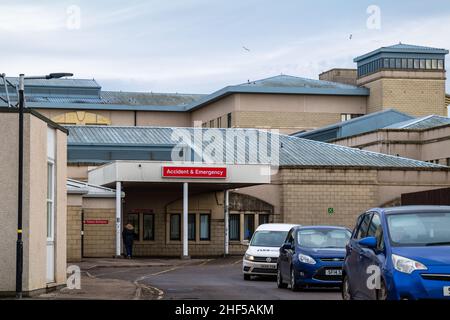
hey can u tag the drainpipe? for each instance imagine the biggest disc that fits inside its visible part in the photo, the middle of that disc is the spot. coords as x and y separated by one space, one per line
118 218
226 208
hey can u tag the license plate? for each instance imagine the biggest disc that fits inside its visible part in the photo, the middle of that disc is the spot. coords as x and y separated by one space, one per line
446 291
333 272
268 266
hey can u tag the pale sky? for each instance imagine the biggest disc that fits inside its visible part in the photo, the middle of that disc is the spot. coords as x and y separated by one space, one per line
197 46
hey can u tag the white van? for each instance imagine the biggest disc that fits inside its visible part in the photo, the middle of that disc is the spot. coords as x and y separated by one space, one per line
264 248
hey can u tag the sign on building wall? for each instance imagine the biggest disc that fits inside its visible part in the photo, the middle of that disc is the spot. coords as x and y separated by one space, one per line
194 172
96 221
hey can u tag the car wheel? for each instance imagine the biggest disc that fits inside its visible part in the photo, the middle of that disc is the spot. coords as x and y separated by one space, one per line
294 286
247 277
280 283
382 292
346 293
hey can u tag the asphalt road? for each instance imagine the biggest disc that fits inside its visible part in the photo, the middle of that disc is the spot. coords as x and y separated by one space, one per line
212 279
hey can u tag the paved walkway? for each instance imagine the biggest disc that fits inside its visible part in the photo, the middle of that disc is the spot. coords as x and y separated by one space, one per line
93 287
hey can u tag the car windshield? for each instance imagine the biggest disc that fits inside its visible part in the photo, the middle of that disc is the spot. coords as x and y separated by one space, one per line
419 229
323 238
266 238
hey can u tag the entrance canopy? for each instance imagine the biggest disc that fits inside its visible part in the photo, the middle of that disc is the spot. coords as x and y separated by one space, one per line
216 176
172 175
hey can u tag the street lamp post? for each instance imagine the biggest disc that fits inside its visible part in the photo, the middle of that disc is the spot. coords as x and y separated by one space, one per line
19 243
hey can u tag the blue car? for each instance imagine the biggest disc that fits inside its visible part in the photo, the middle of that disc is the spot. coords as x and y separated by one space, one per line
312 256
399 253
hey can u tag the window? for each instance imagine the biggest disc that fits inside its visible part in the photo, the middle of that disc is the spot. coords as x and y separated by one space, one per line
191 226
219 122
440 64
205 227
398 63
422 63
204 125
416 64
363 227
149 226
290 238
434 64
263 218
229 120
235 227
386 63
211 123
133 219
376 230
410 63
175 227
391 63
50 199
249 226
404 63
349 116
428 64
448 162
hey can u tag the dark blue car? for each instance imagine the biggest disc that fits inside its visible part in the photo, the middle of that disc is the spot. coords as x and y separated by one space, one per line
312 256
399 253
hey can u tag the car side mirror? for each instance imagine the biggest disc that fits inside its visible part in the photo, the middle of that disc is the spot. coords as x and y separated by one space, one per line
369 242
286 246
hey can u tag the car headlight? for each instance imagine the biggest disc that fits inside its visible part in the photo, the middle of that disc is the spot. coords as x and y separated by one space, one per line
306 259
249 257
406 265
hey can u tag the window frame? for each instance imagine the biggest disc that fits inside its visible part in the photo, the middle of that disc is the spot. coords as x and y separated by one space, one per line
238 224
209 226
252 215
367 214
179 227
50 235
136 226
194 215
152 226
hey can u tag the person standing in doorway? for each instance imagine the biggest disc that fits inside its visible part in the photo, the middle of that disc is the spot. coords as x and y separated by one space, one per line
128 238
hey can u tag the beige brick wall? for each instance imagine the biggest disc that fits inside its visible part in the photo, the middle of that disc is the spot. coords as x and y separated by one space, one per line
74 233
418 94
287 122
308 193
99 240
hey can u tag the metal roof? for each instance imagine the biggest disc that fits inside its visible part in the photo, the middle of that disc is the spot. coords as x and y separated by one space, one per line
284 84
149 98
294 152
426 122
63 82
89 190
366 123
403 48
86 94
297 82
